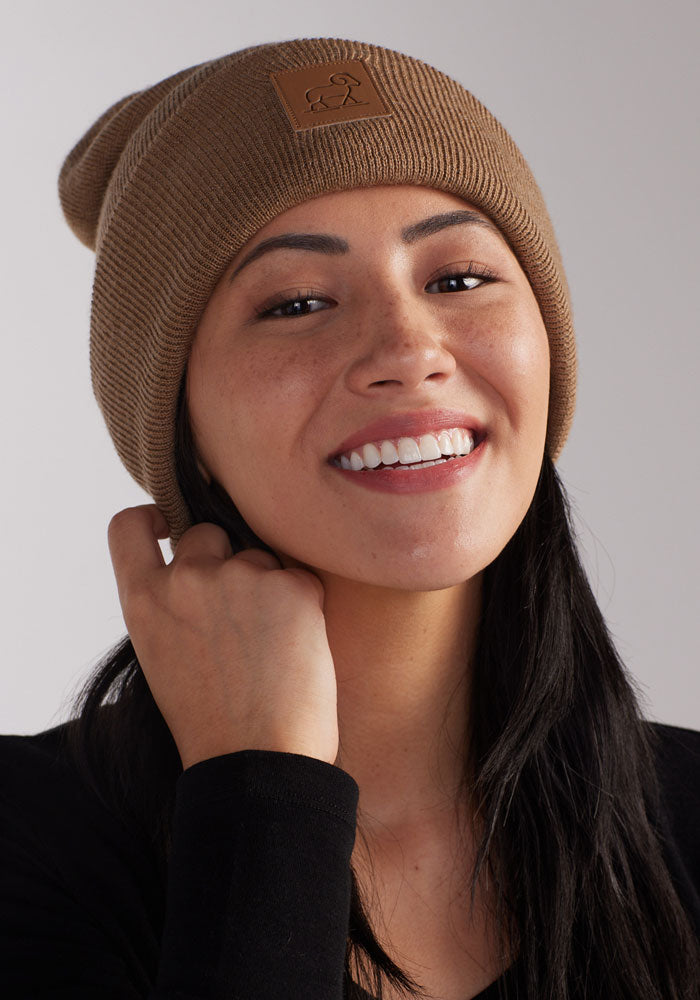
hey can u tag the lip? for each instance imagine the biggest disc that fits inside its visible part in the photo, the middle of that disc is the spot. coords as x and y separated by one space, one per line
435 477
412 424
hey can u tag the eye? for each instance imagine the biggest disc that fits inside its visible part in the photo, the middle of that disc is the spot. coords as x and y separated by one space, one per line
297 305
300 303
464 280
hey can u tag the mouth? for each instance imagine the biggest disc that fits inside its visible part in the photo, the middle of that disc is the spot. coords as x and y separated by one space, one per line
421 452
403 479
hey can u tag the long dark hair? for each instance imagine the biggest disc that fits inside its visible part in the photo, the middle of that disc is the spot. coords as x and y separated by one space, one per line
561 766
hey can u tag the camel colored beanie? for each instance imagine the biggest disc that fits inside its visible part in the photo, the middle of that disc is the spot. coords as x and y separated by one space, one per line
171 181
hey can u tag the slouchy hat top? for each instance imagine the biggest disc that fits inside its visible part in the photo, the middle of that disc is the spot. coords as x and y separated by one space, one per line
171 181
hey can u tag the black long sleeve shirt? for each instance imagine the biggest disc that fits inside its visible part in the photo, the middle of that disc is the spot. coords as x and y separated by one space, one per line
258 883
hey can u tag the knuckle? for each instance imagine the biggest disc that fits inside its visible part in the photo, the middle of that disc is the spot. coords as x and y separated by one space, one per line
189 579
122 522
202 532
118 522
186 567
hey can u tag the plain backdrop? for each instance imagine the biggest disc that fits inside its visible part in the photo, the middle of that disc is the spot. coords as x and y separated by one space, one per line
602 99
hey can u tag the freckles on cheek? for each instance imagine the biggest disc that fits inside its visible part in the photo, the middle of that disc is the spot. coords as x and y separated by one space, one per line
286 376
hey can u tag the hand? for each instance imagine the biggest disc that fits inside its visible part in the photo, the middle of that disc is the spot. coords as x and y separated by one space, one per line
233 647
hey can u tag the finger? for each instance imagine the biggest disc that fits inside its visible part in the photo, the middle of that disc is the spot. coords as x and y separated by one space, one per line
160 525
202 541
268 561
133 536
259 557
314 581
305 571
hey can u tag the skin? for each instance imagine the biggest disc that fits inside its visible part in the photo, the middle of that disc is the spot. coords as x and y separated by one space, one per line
271 397
355 644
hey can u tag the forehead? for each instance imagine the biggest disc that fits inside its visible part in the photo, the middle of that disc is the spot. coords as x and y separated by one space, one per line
403 213
364 225
407 202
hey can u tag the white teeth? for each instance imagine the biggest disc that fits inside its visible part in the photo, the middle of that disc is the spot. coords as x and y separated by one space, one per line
428 448
371 456
389 453
445 442
409 451
421 465
467 445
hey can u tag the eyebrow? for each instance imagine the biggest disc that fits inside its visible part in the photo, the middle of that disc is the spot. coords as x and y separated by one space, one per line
327 244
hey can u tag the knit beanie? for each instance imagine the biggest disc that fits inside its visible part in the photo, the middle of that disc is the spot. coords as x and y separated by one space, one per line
171 181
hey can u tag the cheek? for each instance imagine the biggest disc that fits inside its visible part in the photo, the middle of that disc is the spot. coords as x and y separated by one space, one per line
278 377
527 369
522 366
253 403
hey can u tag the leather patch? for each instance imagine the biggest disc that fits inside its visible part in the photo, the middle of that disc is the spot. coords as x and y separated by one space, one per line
328 93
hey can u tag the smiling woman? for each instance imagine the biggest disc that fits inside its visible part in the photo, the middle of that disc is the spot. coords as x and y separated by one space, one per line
397 334
368 730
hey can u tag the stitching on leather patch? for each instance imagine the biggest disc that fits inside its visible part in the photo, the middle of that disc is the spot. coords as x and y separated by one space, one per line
329 93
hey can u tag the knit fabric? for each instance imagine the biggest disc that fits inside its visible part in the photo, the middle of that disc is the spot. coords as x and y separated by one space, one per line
170 182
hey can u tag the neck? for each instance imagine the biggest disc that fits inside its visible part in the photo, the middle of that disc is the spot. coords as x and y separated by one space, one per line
403 669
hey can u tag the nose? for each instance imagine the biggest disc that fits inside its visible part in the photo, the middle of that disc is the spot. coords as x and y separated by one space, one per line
398 343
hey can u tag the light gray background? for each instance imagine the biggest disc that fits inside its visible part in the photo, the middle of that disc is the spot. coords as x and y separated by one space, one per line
602 99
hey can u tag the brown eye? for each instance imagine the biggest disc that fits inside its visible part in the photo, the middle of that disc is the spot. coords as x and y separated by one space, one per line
463 280
285 308
457 282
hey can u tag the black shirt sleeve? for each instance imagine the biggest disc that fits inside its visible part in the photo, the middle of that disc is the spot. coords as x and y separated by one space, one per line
257 899
258 893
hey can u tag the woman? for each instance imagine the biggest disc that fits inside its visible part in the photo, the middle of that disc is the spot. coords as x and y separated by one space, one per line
331 336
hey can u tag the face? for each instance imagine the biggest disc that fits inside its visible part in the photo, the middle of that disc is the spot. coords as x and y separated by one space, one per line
303 349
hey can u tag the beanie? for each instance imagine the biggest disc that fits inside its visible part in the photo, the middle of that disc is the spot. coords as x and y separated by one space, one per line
171 181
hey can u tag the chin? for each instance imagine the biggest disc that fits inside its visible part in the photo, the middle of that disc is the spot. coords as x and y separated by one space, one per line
414 574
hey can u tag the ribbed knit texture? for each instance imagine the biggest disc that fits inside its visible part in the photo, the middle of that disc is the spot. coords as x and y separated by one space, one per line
170 183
